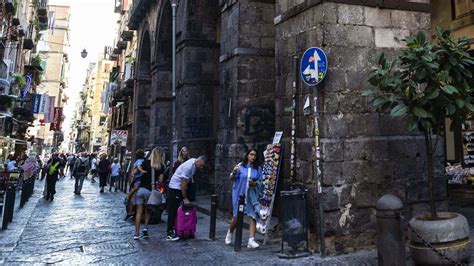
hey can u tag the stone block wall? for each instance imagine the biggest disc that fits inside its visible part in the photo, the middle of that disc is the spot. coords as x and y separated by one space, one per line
365 154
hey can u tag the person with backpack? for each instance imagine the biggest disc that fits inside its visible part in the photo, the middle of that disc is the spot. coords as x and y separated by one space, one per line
54 169
79 171
103 168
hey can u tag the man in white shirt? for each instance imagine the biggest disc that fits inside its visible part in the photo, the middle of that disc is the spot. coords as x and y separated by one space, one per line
177 190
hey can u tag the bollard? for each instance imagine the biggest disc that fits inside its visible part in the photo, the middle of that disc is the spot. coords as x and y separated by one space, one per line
24 192
390 234
11 204
212 224
240 224
5 209
33 180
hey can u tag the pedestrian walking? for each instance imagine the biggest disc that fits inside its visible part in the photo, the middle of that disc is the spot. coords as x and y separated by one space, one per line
177 191
103 169
71 158
115 173
79 171
54 169
140 192
246 176
40 166
157 200
93 167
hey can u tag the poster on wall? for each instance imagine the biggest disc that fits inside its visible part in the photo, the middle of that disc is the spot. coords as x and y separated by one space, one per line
271 170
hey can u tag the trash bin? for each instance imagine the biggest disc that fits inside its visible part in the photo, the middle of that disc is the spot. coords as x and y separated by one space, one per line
294 222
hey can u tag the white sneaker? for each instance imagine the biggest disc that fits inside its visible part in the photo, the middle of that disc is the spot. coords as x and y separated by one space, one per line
228 238
252 243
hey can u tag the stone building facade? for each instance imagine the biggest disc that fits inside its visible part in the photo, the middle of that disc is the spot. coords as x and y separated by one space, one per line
234 86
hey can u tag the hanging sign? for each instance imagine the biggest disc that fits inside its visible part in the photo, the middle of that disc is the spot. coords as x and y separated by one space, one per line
119 137
314 66
29 80
56 124
36 103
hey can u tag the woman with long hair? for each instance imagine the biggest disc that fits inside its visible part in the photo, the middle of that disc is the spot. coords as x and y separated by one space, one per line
246 176
183 156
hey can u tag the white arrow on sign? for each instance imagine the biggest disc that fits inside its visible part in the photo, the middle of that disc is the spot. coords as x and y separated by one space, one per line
316 63
313 73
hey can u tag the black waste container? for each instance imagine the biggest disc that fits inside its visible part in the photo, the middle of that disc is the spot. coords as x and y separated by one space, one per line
294 219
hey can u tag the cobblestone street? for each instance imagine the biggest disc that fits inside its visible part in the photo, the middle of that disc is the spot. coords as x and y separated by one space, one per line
90 229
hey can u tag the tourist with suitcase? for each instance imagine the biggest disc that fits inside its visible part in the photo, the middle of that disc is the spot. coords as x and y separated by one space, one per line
177 192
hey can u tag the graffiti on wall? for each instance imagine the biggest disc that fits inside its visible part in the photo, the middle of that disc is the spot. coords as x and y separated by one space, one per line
259 127
197 127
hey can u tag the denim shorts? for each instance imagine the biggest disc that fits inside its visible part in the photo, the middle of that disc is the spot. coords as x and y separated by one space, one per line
142 196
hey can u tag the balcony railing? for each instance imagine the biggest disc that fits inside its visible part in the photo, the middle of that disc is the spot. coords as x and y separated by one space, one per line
42 7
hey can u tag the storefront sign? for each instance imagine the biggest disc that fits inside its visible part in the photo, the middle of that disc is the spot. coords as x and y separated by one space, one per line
119 137
314 66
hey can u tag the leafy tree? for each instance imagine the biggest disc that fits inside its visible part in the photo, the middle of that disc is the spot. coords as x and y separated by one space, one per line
430 81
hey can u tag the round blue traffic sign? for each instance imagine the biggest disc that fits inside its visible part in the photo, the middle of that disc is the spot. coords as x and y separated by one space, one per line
314 66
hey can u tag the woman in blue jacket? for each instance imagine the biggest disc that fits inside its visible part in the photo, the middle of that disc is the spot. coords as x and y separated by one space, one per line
246 178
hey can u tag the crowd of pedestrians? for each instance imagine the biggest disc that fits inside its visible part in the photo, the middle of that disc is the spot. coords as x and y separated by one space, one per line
153 182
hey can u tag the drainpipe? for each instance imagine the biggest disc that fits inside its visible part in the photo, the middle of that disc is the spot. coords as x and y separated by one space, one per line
173 82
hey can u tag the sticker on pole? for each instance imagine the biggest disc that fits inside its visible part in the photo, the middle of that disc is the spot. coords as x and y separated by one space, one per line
314 66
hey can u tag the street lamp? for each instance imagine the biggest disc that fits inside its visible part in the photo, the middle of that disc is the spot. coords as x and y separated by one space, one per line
84 53
174 4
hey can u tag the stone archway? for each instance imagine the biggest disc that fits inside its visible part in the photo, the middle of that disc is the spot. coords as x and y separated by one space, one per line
141 101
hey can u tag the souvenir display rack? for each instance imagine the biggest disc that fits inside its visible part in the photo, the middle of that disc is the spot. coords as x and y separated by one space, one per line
271 170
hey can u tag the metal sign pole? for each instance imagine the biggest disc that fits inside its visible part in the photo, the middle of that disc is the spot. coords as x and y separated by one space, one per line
314 66
293 119
318 173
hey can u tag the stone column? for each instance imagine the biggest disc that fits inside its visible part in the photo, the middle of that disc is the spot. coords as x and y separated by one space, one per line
246 105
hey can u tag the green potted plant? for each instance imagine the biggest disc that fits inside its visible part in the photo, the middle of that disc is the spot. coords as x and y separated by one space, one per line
429 82
19 82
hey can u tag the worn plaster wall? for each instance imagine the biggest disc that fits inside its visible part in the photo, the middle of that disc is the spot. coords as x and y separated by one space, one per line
365 154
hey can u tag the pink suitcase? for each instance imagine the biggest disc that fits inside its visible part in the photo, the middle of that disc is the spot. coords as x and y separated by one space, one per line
186 220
